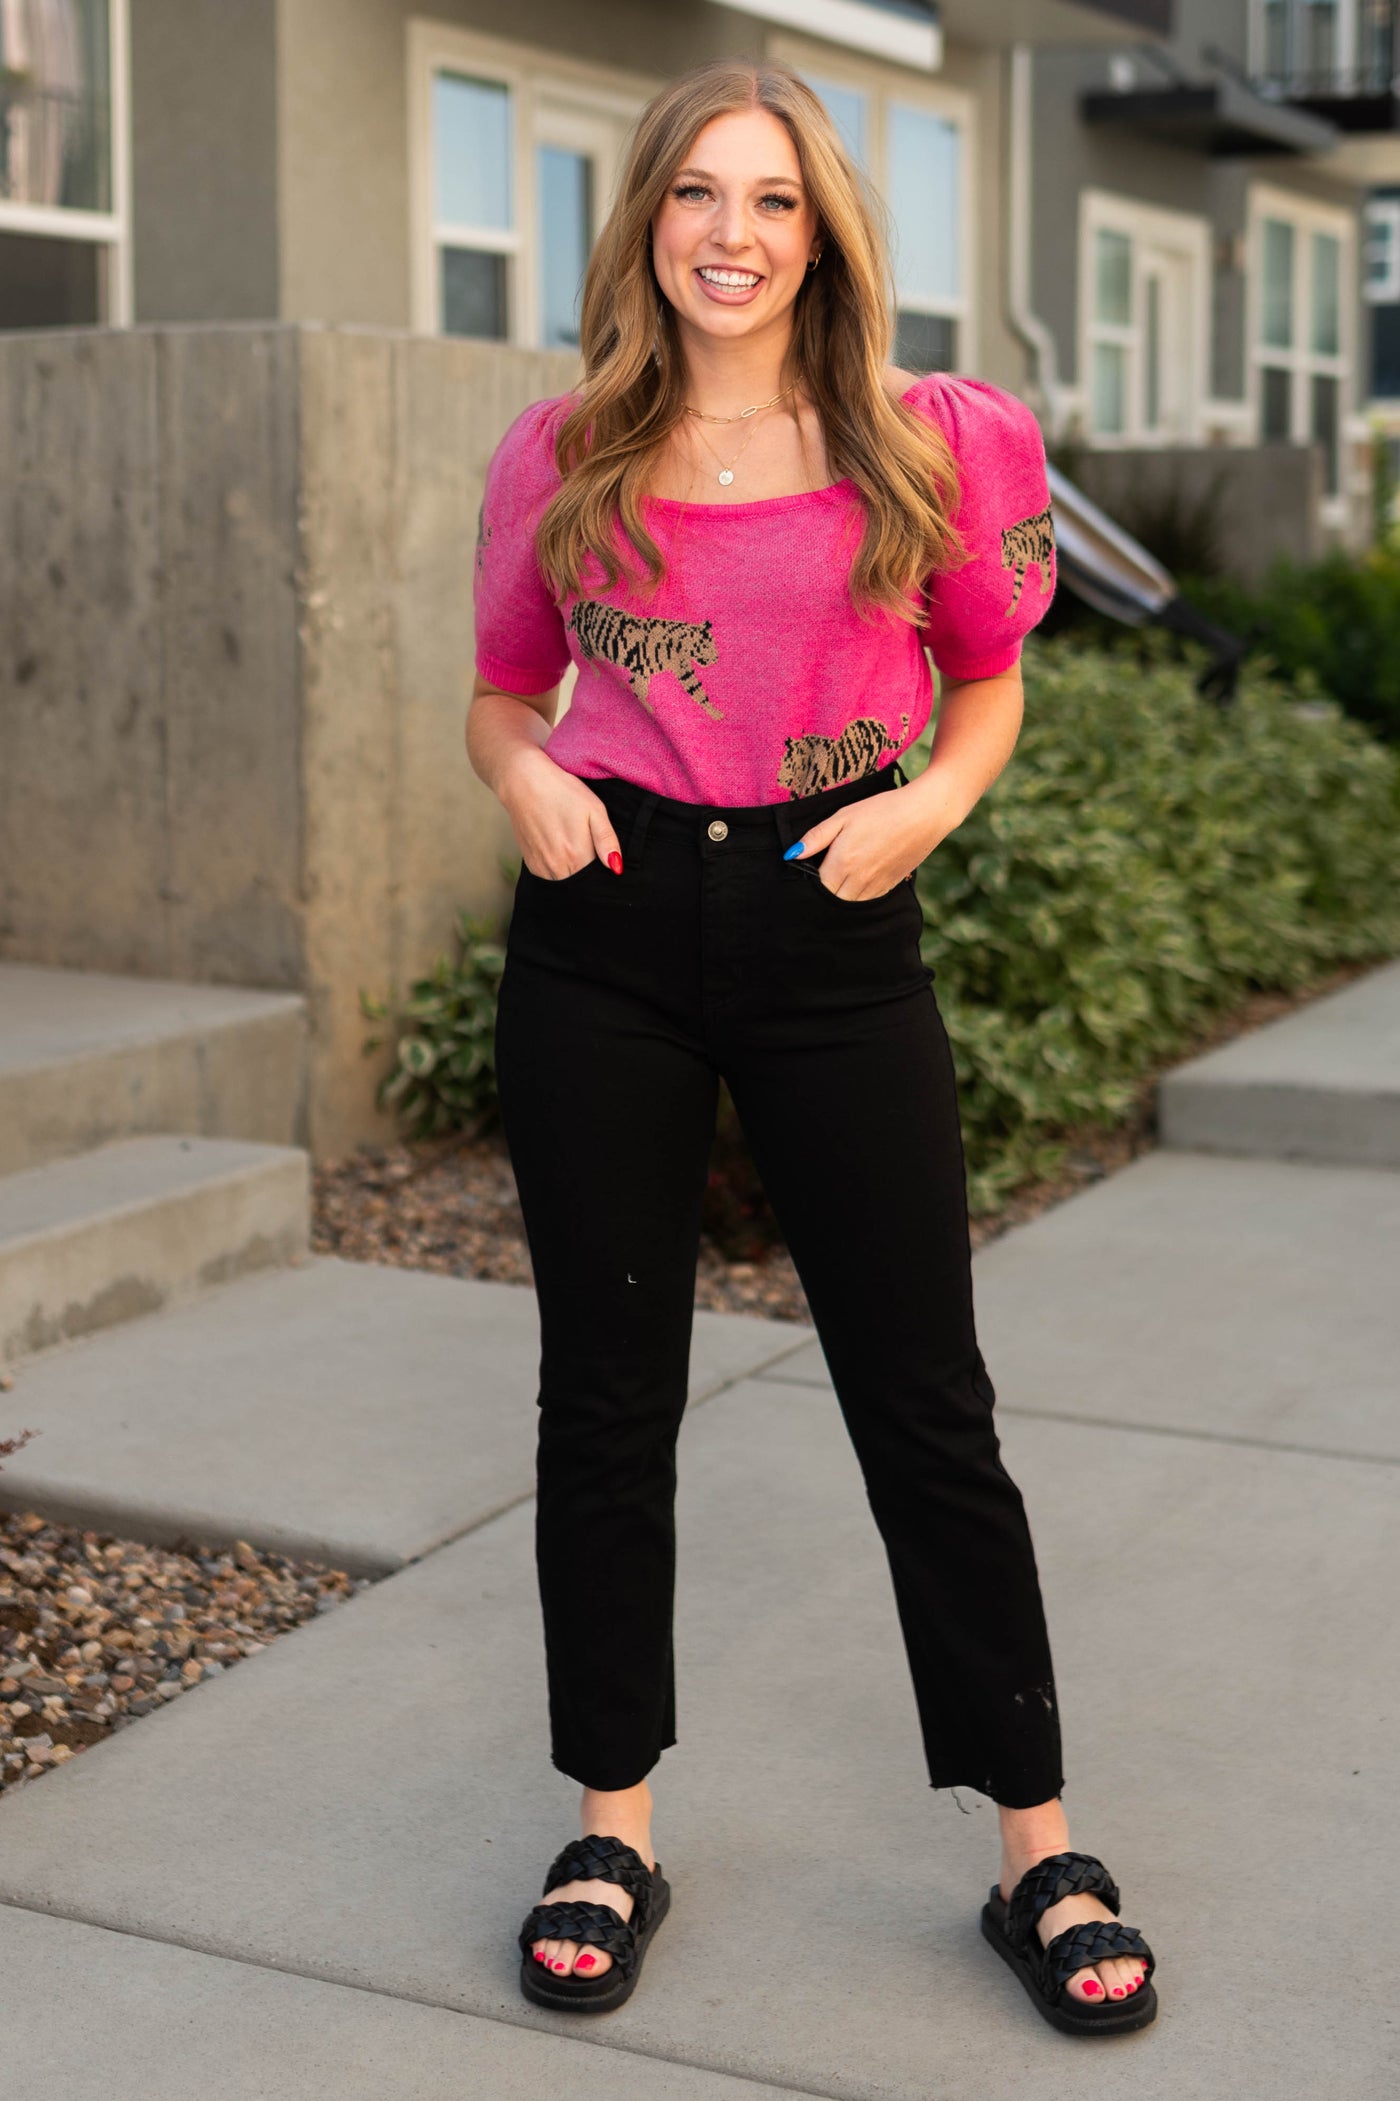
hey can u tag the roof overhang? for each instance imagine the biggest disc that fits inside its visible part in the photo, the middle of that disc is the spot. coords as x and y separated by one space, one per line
1218 117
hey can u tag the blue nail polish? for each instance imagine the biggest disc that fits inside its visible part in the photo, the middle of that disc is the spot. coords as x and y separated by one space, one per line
795 849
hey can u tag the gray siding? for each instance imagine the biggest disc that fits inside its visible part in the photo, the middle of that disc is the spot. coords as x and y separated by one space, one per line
204 159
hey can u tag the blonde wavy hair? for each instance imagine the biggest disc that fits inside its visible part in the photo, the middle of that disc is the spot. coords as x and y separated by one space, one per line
633 390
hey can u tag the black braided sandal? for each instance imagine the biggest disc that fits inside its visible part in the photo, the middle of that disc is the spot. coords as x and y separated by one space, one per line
1010 1923
594 1859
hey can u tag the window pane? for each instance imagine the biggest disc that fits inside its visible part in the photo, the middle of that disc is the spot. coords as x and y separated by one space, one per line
46 282
1113 277
1109 387
1277 417
1382 251
473 294
471 152
849 113
1152 355
1277 317
1276 38
926 342
55 104
1326 292
564 183
923 198
1325 401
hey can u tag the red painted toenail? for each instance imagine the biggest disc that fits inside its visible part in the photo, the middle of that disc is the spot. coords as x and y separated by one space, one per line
585 1962
1117 1991
538 1956
1092 1990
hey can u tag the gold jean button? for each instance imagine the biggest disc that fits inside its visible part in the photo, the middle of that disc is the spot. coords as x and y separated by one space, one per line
719 829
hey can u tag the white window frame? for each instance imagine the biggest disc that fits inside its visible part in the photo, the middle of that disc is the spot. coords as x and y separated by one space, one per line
554 101
110 231
1188 235
883 85
1306 217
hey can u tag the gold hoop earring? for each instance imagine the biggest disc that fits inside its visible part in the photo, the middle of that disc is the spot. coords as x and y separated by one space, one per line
815 260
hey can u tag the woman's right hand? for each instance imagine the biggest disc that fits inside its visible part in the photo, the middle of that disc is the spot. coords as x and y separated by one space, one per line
558 821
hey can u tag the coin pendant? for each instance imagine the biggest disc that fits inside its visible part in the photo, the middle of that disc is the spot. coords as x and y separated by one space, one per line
726 476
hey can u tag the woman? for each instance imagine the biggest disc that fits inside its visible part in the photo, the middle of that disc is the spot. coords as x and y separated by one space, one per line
741 529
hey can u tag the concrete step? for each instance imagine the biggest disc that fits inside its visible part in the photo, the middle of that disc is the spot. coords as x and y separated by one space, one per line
86 1058
1322 1084
140 1224
340 1412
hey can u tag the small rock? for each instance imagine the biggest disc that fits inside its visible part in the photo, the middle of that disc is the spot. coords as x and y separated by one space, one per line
244 1555
141 1706
168 1688
78 1596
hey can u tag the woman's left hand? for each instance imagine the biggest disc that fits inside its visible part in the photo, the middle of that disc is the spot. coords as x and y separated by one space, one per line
878 841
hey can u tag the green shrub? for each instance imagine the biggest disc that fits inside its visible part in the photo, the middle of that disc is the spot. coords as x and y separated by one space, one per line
1144 862
1338 618
443 1077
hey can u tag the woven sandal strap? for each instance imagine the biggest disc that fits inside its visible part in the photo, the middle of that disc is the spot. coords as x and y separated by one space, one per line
1098 1940
596 1859
574 1919
1060 1875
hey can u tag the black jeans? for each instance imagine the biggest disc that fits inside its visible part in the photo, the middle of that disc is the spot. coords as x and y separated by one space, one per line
623 1001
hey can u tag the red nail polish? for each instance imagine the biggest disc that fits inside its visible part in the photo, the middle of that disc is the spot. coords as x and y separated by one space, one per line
585 1962
1117 1991
538 1956
1092 1990
615 862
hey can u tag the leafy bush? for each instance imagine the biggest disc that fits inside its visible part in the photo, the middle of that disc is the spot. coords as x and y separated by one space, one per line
443 1078
1144 862
1338 618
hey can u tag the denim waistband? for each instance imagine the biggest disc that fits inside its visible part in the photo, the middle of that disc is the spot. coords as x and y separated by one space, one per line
635 810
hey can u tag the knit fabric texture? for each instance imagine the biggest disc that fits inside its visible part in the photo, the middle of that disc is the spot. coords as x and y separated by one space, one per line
747 675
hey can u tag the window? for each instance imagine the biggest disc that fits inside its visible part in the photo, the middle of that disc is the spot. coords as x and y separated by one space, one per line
1143 302
1323 47
915 152
514 163
1382 284
1300 331
63 244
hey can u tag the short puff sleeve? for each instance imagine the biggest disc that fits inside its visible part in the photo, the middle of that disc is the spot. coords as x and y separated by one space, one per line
521 642
980 613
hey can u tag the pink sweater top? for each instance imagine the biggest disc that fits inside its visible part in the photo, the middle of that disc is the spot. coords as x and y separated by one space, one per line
748 676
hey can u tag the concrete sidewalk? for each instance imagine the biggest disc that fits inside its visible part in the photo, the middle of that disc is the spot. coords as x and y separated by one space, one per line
1196 1368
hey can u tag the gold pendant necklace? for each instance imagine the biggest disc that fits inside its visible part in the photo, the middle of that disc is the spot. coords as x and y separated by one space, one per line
726 467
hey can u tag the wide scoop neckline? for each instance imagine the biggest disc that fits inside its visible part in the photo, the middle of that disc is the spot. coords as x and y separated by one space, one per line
826 492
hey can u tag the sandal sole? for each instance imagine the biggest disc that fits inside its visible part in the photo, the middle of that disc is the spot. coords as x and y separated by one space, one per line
1122 2021
599 1994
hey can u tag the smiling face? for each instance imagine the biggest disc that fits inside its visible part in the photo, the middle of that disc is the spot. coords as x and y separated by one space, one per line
735 231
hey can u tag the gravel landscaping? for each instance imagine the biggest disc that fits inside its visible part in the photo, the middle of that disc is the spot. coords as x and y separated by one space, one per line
96 1631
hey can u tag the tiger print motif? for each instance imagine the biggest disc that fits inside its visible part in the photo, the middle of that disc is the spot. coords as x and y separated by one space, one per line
645 648
812 763
1029 544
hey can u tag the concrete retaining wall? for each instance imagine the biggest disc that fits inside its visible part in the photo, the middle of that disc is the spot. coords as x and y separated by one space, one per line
235 593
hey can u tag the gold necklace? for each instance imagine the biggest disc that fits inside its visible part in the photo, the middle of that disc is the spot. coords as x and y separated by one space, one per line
743 414
726 467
